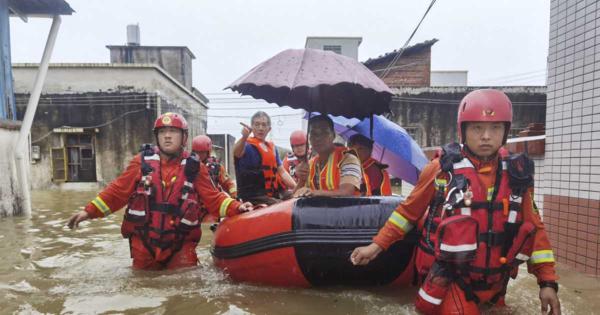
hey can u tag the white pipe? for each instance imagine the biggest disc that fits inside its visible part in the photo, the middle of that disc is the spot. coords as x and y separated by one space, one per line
21 147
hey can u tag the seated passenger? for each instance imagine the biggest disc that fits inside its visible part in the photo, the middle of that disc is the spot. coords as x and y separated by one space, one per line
334 171
257 163
376 180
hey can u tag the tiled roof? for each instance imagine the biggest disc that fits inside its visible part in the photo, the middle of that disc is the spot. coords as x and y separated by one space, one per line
409 50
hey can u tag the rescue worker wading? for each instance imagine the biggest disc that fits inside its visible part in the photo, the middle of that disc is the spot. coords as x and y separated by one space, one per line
334 171
161 188
482 221
298 154
376 180
202 146
258 168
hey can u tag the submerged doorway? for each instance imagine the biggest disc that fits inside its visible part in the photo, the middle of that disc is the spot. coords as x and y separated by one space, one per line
75 159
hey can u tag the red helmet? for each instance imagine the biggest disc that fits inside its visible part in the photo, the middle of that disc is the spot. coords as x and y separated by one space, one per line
298 137
487 105
171 120
201 143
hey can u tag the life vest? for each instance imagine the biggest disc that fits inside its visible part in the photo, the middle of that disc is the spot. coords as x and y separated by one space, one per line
262 179
384 188
214 171
474 231
290 163
164 220
329 177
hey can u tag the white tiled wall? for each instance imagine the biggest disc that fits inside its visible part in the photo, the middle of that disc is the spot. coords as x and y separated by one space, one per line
572 164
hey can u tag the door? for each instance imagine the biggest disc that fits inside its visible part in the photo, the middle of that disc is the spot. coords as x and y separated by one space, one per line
81 158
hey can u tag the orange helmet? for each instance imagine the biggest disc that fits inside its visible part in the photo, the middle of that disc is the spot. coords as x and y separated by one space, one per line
201 143
486 105
171 120
298 137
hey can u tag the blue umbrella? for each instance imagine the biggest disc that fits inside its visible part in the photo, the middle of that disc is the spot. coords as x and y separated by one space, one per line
392 144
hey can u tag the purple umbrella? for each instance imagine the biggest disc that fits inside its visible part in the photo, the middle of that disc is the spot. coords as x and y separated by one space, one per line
317 81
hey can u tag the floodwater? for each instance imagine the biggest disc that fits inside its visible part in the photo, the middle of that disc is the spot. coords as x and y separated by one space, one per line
45 268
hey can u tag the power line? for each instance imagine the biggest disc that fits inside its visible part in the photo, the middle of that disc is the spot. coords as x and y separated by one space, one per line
407 41
514 75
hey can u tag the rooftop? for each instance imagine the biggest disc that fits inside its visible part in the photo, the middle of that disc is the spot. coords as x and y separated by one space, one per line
25 8
409 50
146 47
358 38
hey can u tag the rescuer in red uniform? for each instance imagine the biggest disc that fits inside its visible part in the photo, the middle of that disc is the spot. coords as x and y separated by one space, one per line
161 188
474 206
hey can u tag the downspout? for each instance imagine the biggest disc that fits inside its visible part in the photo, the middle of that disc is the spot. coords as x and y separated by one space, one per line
21 148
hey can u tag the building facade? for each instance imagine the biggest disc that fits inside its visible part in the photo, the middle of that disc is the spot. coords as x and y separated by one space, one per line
347 46
429 113
92 118
572 160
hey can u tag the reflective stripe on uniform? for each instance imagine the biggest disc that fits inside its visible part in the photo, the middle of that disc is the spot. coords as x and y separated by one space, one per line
458 248
465 211
542 256
154 157
522 257
329 173
188 222
512 216
136 212
464 163
99 203
490 193
400 221
429 298
224 205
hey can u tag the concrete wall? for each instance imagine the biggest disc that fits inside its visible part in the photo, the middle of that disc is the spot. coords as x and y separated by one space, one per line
177 61
90 77
572 165
449 78
123 122
349 45
10 193
124 100
430 112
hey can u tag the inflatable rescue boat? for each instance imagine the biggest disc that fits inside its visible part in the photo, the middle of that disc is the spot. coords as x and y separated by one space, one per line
308 241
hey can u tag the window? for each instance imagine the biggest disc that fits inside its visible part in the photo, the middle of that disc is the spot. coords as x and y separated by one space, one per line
335 48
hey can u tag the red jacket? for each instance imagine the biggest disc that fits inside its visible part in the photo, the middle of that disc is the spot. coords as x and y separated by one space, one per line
117 193
413 208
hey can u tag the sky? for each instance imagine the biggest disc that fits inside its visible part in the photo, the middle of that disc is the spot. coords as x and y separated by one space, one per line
502 42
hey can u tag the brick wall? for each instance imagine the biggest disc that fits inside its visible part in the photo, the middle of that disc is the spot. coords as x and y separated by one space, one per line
572 160
411 70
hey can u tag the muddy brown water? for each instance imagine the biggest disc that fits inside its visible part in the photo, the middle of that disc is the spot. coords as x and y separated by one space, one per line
45 268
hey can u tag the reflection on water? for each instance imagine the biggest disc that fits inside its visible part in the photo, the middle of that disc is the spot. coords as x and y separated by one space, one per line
46 268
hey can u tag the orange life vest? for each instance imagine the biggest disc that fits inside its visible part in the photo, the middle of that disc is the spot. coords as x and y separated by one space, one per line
164 220
485 254
263 179
329 177
384 188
